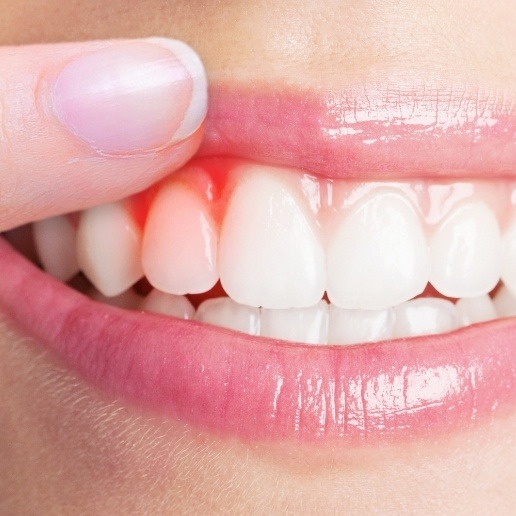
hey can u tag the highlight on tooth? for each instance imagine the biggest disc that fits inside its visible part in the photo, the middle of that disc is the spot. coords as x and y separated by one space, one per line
282 254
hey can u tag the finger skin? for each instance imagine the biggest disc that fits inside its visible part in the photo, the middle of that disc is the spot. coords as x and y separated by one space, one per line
46 169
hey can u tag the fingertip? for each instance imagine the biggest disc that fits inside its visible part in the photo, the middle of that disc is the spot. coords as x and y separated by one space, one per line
132 97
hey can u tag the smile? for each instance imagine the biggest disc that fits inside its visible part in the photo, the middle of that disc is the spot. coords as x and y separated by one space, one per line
330 267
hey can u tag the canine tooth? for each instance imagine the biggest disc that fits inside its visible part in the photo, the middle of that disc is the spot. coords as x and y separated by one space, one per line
378 256
509 258
308 325
466 252
129 299
356 326
473 310
269 253
505 302
55 240
162 303
224 312
425 316
179 252
108 248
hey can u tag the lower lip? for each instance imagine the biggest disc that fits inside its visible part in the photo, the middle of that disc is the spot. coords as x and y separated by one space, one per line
258 389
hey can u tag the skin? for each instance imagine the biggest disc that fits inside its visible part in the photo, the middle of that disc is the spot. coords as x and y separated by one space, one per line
67 449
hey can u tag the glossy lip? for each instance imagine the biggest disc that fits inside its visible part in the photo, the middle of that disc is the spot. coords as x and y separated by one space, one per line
375 131
260 389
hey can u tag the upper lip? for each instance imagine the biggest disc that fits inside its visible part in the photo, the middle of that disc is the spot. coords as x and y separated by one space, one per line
373 131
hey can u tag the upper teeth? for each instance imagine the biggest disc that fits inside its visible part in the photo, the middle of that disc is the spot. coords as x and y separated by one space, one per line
270 254
278 240
180 243
378 257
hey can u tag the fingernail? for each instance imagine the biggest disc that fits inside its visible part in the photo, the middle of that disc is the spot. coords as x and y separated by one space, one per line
132 97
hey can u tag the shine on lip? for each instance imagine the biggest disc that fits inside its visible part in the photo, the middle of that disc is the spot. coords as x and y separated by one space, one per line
375 131
252 388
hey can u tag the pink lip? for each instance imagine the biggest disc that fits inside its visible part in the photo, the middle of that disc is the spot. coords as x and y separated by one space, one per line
370 132
253 388
262 389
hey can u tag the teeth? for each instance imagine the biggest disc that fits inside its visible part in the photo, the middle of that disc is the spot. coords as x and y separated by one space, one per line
505 303
509 258
108 248
378 256
466 252
425 316
180 244
269 253
224 312
473 310
55 240
308 325
279 239
356 326
168 304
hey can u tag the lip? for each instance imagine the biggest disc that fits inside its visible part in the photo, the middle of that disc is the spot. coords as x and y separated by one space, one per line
388 131
260 389
266 390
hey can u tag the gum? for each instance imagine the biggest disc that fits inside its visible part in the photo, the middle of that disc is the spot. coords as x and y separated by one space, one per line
214 179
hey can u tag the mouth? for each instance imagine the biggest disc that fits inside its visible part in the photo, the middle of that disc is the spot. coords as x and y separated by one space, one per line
337 267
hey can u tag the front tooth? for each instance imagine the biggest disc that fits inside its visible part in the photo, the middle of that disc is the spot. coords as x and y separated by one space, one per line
475 309
466 252
269 254
308 325
509 258
505 303
224 312
378 256
108 248
356 326
55 240
425 316
162 303
180 242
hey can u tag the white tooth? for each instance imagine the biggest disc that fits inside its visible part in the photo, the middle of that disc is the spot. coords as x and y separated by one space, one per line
108 248
505 302
161 303
356 326
269 253
308 325
425 316
179 252
224 312
378 256
466 251
55 240
509 258
473 310
129 299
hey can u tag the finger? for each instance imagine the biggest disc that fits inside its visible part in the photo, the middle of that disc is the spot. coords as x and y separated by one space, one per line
87 123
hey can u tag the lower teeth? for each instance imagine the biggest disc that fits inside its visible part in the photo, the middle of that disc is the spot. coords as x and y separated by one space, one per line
325 323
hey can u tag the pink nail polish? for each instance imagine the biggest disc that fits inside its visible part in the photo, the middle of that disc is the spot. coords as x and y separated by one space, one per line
132 97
